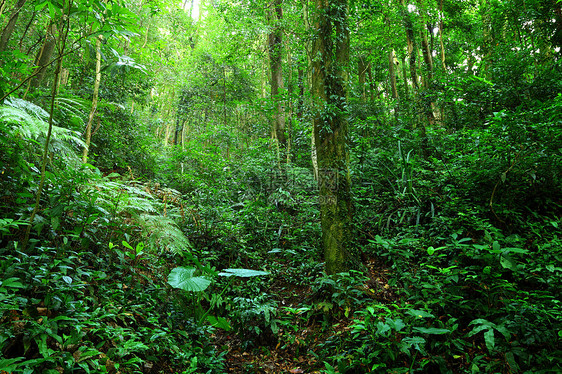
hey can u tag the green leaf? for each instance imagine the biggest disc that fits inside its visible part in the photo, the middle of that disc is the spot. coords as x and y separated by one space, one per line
508 263
219 322
489 340
420 313
55 222
415 341
431 330
182 278
126 245
515 250
396 324
10 364
329 368
12 282
244 273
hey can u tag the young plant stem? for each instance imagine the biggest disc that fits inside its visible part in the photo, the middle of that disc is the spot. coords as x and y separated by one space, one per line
61 47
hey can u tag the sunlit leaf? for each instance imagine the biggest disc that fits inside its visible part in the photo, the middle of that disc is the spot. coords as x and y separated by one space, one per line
431 330
182 278
243 273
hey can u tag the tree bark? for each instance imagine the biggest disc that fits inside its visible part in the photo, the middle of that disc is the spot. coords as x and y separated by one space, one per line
94 101
2 5
7 32
392 74
330 59
412 48
44 56
362 67
275 40
442 44
428 60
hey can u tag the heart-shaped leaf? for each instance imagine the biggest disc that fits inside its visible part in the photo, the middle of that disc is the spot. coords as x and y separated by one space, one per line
182 278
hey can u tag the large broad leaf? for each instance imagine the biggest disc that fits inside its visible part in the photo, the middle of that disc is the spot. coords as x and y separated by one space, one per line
489 340
219 322
415 341
508 263
244 273
419 313
431 330
183 278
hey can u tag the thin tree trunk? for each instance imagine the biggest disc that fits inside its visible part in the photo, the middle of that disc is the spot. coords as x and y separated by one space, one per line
428 60
487 34
426 50
331 56
372 83
49 130
442 44
94 101
412 48
2 5
405 78
362 67
392 75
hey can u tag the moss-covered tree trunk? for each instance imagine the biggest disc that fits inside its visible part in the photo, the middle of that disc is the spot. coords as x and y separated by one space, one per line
275 41
7 32
44 55
331 57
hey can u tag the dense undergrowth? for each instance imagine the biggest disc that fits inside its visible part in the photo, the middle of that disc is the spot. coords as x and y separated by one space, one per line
213 264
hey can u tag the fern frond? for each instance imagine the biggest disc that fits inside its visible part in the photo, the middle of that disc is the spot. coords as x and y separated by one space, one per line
74 106
159 233
30 122
139 205
163 233
27 107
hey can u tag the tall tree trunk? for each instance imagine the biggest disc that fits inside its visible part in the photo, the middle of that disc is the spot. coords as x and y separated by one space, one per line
442 44
331 56
275 40
412 48
94 101
392 74
426 50
372 83
362 67
405 78
428 105
488 38
7 32
428 60
44 56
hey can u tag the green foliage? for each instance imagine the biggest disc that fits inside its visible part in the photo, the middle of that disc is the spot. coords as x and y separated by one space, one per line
29 121
457 215
183 278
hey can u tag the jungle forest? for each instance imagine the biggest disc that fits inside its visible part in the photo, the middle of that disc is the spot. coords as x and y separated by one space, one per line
276 186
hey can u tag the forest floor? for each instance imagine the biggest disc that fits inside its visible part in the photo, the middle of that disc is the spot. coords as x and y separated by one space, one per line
293 349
